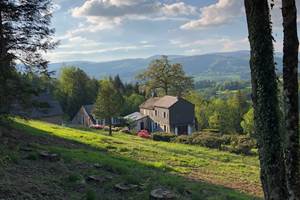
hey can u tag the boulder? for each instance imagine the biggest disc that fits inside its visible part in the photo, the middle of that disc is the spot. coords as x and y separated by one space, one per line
125 186
49 156
94 178
161 193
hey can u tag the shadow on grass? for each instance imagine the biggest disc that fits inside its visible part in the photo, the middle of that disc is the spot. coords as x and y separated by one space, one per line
129 170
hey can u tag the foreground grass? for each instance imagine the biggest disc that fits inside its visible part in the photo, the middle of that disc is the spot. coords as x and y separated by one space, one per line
192 172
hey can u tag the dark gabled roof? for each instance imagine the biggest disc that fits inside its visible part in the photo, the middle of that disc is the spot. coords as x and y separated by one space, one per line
43 106
52 107
149 104
135 116
89 108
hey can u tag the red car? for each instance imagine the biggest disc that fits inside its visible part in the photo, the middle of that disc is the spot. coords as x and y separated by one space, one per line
144 134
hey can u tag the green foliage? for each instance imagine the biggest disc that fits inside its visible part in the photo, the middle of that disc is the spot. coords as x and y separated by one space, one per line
132 103
25 35
74 89
201 106
109 102
183 139
151 161
210 140
242 145
161 136
224 115
248 122
234 143
164 77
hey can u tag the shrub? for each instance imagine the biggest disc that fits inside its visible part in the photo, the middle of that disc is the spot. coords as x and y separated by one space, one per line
227 139
210 140
160 136
211 130
242 145
183 139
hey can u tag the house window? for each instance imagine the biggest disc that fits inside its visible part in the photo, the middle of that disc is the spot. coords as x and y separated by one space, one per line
155 112
165 128
165 115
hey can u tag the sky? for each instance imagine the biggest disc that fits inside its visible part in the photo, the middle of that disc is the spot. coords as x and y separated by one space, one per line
104 30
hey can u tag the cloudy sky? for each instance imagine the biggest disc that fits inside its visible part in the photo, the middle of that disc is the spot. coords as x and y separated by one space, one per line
101 30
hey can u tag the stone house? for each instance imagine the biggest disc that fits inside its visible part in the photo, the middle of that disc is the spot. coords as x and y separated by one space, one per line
168 114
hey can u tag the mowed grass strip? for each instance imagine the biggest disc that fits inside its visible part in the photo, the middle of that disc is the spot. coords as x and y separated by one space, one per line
192 162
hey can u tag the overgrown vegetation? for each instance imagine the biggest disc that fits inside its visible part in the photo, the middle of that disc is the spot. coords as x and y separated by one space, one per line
232 143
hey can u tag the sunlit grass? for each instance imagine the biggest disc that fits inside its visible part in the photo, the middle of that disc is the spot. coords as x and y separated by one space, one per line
197 163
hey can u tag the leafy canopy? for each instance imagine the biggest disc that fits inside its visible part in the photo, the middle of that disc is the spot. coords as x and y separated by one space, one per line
109 101
163 77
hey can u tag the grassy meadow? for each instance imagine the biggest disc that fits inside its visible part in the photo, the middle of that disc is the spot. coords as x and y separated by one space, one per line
191 172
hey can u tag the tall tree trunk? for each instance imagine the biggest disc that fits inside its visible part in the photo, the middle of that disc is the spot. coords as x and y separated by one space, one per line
110 125
265 100
290 85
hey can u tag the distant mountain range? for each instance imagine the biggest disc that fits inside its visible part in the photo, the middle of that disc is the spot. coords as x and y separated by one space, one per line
213 66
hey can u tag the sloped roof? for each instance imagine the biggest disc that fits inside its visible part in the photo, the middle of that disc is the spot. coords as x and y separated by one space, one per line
166 101
149 104
44 106
135 116
52 107
89 108
163 102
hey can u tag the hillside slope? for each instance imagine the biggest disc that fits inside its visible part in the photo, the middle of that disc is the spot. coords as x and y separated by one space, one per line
190 172
231 65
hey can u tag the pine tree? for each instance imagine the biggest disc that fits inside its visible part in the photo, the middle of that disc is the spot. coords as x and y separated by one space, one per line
24 36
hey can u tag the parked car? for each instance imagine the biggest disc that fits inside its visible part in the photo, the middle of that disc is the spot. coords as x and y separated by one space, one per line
97 126
144 134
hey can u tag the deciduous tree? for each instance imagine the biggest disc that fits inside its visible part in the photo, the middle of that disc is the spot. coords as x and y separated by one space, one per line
163 76
290 88
109 103
265 100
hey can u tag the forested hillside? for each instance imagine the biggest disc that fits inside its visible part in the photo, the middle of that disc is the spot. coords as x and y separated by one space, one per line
215 66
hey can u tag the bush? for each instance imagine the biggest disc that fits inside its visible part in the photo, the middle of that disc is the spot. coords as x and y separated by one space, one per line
227 139
160 136
211 130
242 145
183 139
210 140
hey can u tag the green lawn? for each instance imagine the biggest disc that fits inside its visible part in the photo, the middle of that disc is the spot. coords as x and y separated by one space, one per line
192 172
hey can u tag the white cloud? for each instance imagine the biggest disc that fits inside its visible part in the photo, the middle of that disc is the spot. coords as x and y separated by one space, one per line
179 8
80 47
226 11
223 44
106 14
222 12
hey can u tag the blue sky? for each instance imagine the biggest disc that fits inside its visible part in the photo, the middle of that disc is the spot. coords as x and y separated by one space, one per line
102 30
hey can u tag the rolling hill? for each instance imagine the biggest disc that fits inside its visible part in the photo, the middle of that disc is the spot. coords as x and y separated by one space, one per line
215 66
88 164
